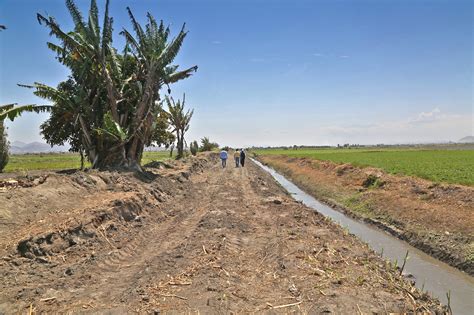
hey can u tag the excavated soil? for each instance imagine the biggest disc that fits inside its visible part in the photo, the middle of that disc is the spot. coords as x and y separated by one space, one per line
436 218
184 237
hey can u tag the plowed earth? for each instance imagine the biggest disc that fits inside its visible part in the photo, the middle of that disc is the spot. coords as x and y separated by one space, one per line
190 237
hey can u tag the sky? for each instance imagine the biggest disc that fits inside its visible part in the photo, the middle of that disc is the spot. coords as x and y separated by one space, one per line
284 72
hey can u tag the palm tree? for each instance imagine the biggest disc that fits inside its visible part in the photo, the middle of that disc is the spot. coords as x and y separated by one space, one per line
114 100
207 145
179 120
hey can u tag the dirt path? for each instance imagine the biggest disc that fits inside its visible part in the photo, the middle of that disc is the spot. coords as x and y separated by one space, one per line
224 240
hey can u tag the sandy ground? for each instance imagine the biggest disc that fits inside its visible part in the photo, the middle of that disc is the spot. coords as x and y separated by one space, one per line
436 218
190 238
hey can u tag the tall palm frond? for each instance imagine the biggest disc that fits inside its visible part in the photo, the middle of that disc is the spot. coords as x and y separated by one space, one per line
142 39
180 75
76 16
171 50
12 111
107 28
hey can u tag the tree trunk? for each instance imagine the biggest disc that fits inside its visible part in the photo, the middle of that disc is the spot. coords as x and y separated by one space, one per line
82 159
180 144
141 111
112 156
3 147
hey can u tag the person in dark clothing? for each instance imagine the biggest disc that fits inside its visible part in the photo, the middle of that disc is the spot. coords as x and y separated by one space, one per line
242 157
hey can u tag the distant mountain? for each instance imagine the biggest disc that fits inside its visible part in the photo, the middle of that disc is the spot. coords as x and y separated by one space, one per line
18 147
468 139
19 144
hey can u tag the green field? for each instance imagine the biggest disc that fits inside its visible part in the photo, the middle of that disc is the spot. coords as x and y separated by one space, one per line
450 166
57 161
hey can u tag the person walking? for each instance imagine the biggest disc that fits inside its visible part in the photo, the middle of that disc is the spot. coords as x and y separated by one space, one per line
242 157
223 156
237 157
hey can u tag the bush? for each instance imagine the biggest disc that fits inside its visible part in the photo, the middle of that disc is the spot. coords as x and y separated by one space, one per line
4 146
194 147
207 145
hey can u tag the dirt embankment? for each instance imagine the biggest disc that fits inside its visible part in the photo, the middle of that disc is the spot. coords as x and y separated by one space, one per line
436 218
186 237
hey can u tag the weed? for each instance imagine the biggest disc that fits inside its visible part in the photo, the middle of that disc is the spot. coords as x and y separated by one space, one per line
358 205
373 181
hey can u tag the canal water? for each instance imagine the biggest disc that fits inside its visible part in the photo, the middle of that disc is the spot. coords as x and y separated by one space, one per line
434 276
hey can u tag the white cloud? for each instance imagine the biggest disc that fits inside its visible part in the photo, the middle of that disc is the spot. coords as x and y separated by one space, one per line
424 117
318 55
216 42
432 126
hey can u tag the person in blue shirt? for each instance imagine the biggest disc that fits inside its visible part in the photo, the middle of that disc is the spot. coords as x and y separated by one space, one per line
223 156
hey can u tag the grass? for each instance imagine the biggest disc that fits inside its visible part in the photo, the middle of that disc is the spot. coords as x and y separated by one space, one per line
57 161
155 156
441 165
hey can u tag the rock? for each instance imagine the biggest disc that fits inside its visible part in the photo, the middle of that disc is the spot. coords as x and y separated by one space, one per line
29 255
211 288
294 290
11 182
275 200
42 260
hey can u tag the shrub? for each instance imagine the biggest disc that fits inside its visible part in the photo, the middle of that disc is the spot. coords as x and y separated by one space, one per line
194 147
207 145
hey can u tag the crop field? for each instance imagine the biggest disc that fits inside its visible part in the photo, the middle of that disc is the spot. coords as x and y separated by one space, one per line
450 166
57 161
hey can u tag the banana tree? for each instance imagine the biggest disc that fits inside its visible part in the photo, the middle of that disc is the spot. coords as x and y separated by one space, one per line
179 120
115 102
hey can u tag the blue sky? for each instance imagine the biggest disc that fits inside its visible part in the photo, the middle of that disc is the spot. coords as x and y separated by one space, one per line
285 72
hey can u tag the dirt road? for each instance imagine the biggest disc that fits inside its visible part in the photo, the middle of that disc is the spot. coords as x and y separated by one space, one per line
189 238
